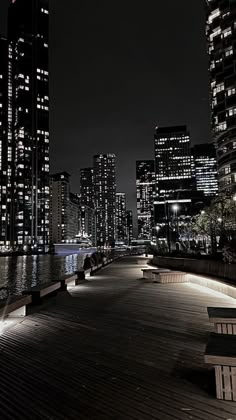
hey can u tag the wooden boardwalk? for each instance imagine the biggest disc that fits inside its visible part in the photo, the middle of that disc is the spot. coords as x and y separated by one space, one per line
115 347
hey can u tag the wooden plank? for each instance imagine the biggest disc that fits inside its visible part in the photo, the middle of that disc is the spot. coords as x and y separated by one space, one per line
219 384
112 349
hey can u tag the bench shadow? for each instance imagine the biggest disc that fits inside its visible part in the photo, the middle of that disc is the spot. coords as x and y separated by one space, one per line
47 301
202 378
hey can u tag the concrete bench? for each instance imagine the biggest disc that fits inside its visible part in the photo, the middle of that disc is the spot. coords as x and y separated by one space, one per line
170 277
43 290
143 260
70 280
224 319
81 275
221 353
14 306
148 273
95 268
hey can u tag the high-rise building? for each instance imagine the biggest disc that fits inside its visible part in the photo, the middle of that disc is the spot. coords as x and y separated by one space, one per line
221 35
121 233
173 162
105 197
205 169
129 226
145 189
64 209
88 223
28 96
87 187
175 186
5 155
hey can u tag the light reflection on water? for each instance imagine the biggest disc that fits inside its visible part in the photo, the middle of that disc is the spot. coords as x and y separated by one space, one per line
23 272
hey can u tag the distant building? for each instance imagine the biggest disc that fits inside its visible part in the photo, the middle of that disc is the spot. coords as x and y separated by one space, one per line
73 217
205 169
64 209
88 223
121 233
6 164
176 195
172 162
105 197
145 189
87 187
129 226
221 36
28 118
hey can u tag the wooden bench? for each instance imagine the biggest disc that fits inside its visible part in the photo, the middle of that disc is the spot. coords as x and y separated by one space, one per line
15 306
224 319
43 290
148 273
170 277
221 353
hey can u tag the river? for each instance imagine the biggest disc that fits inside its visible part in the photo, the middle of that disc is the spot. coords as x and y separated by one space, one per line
23 272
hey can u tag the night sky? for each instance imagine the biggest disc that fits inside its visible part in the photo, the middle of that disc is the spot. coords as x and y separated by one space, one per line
118 69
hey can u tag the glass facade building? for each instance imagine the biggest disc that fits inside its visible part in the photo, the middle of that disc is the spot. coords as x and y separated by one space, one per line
205 169
145 190
172 162
174 180
221 36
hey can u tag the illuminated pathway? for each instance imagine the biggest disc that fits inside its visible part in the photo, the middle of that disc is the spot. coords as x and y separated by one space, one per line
113 348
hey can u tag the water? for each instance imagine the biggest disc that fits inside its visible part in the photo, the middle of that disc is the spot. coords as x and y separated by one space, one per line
21 273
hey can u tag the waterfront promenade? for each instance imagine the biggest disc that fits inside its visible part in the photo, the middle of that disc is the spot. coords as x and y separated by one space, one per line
115 347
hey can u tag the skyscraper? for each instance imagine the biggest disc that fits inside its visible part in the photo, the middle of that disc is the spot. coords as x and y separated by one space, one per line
87 187
29 102
221 35
105 197
174 180
5 153
121 233
205 169
173 162
145 188
64 209
88 223
129 226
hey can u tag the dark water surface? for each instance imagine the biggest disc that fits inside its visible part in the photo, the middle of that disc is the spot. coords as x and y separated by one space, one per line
21 273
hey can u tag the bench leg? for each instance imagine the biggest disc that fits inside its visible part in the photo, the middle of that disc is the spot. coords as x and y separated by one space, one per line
21 312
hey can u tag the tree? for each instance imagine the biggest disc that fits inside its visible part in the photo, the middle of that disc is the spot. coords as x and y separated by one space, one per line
217 220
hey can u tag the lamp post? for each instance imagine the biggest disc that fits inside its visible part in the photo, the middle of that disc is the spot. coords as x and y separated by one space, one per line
175 207
157 229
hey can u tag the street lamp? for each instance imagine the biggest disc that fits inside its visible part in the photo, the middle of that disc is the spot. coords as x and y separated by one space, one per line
175 207
157 230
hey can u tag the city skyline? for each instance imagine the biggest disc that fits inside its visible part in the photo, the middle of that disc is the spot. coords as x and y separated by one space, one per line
141 60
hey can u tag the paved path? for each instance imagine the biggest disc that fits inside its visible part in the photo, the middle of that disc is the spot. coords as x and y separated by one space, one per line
115 347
